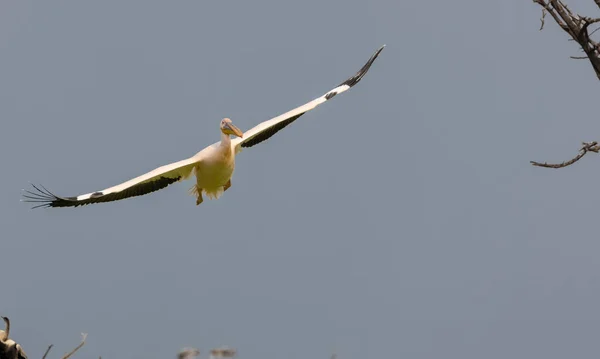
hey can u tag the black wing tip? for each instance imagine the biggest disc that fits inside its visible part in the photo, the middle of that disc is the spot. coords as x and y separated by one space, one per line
43 198
39 195
362 72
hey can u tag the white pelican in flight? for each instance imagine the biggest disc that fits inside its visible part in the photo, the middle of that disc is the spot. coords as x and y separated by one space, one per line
213 166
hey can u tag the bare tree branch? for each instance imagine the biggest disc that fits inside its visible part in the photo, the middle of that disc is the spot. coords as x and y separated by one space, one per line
544 12
83 338
47 351
576 26
587 147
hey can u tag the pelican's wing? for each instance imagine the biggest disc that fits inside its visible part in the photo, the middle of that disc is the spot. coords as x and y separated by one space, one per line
146 183
268 128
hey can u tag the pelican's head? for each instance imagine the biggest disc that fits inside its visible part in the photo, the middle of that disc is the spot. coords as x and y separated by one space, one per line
228 128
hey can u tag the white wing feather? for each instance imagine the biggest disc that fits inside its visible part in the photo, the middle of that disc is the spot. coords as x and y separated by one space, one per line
149 182
268 128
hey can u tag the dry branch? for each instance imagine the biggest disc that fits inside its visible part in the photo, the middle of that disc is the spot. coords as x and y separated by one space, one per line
47 351
542 19
576 26
83 338
586 147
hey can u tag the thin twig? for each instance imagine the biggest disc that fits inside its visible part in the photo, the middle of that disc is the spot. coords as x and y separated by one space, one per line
47 351
83 337
543 18
546 6
587 147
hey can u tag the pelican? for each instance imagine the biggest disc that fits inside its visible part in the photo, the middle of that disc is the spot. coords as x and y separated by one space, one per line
213 166
8 348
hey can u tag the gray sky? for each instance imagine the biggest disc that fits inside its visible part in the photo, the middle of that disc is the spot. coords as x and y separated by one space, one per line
401 219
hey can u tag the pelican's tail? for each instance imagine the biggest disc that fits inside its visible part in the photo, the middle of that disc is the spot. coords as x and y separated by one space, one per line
214 193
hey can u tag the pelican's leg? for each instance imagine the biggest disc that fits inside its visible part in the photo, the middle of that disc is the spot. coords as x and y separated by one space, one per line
197 191
227 185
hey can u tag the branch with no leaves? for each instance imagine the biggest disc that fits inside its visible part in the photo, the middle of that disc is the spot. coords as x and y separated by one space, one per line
576 26
83 338
47 351
586 147
66 356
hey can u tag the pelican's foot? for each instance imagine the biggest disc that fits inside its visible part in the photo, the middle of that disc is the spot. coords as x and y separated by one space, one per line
195 191
227 185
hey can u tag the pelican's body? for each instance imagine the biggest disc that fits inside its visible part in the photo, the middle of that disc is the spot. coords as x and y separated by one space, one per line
214 172
213 167
216 165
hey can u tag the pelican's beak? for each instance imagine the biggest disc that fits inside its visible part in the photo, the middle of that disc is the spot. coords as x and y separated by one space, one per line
233 130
